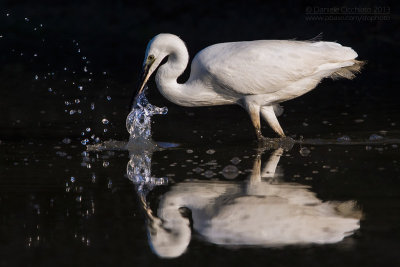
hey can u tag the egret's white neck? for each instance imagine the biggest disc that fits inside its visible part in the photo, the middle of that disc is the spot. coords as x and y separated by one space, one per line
168 73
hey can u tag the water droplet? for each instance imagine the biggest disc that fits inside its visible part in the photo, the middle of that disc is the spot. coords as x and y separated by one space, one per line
344 138
85 141
304 151
72 179
105 121
235 160
230 172
85 69
36 77
375 137
26 19
189 151
198 170
108 98
77 101
88 129
210 151
66 141
106 164
209 174
80 88
72 112
92 106
50 90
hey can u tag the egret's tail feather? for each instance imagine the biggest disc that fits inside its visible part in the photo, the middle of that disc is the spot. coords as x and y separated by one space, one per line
349 72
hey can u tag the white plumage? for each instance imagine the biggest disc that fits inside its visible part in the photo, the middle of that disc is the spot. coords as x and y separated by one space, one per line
258 75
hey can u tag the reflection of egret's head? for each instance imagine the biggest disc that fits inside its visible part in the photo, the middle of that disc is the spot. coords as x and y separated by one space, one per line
169 238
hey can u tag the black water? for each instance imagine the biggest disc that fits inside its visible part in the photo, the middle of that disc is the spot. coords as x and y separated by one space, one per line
63 205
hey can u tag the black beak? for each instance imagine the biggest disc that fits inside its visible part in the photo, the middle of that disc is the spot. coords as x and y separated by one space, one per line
144 76
142 83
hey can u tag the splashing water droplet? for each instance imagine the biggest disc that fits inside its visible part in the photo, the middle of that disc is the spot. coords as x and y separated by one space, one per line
138 122
375 137
344 138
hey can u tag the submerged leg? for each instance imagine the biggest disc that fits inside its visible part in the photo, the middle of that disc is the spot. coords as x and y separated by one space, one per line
269 116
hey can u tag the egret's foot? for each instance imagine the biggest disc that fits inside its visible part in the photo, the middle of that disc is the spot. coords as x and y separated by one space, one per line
274 143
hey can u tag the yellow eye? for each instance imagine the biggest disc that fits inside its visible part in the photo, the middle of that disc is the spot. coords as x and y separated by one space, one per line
151 57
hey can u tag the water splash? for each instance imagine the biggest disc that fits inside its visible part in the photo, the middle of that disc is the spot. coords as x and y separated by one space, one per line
138 122
138 171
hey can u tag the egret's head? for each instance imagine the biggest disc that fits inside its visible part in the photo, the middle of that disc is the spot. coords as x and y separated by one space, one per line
158 48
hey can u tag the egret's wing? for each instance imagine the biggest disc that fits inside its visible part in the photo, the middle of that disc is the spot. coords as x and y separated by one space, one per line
261 67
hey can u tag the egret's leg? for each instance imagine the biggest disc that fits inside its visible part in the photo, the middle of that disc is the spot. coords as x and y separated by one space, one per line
269 116
254 111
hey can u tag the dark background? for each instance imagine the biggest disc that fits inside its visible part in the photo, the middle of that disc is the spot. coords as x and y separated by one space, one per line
113 35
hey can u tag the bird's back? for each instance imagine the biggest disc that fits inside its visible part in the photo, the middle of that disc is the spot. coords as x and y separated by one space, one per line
267 66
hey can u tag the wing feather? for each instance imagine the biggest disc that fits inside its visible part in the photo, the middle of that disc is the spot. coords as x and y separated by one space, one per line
267 66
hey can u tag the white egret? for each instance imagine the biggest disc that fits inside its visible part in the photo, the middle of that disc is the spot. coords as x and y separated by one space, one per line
258 75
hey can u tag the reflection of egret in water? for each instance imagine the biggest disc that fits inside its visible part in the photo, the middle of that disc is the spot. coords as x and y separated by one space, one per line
167 240
260 212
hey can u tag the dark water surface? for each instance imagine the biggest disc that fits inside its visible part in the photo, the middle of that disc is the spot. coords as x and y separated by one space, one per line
63 205
333 199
